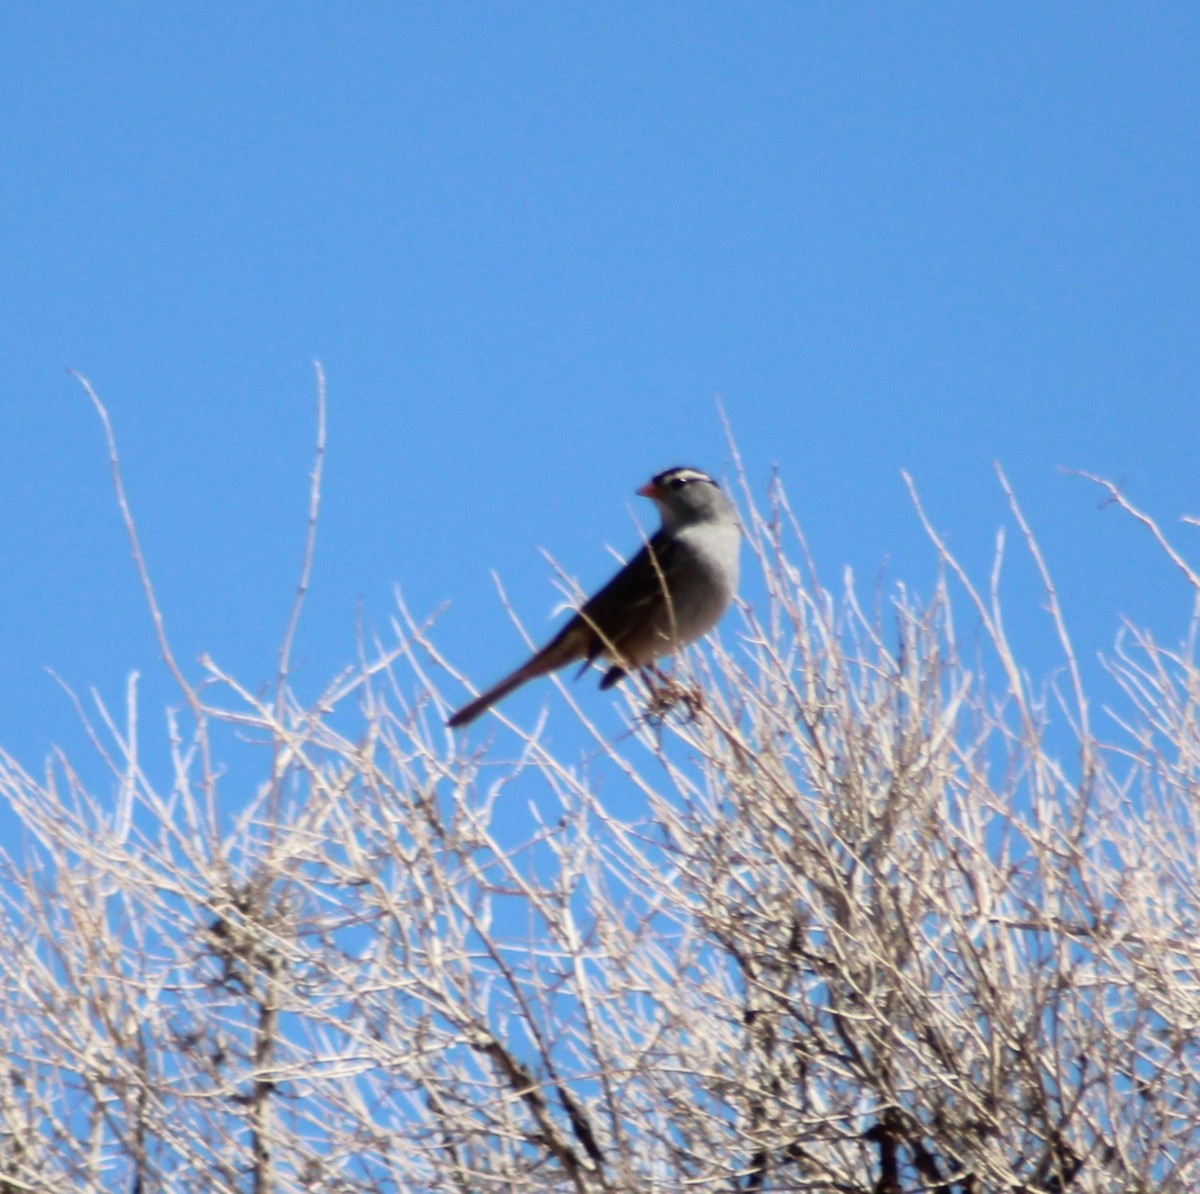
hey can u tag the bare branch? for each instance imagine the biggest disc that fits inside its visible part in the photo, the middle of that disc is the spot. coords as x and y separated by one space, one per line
849 924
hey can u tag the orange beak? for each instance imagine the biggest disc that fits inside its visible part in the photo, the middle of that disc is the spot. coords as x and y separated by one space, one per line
649 490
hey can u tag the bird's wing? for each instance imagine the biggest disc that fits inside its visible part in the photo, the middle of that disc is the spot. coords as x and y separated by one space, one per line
605 621
633 596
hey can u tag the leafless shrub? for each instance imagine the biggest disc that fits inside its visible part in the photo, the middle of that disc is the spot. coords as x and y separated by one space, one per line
879 916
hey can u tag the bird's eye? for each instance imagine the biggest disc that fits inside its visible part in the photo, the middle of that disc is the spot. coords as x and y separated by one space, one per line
676 482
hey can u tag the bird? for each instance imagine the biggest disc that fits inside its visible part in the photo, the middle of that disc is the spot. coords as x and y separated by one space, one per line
670 594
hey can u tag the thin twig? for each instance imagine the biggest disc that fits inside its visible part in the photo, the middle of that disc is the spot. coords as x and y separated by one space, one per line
189 692
306 564
310 540
1119 499
1060 624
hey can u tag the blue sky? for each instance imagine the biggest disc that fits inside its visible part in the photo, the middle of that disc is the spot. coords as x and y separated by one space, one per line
531 246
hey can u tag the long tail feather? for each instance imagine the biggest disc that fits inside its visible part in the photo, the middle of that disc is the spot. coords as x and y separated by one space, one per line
570 644
497 692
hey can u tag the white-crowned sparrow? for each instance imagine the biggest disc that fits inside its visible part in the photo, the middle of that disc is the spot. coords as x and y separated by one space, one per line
673 591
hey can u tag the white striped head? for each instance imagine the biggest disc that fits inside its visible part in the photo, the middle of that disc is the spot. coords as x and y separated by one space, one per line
686 495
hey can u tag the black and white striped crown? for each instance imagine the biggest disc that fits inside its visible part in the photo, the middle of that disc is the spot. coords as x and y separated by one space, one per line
678 477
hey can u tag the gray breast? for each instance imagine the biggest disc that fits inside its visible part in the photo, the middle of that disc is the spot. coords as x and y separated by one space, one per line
706 583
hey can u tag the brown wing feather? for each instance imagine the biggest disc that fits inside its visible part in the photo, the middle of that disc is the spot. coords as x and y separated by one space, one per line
602 624
641 586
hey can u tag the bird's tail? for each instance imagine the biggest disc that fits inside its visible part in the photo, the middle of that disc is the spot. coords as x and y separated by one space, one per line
497 692
567 646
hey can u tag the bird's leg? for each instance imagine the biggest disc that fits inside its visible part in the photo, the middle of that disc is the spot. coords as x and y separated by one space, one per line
666 692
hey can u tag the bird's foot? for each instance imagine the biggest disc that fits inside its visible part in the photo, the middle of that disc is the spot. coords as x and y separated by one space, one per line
666 693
